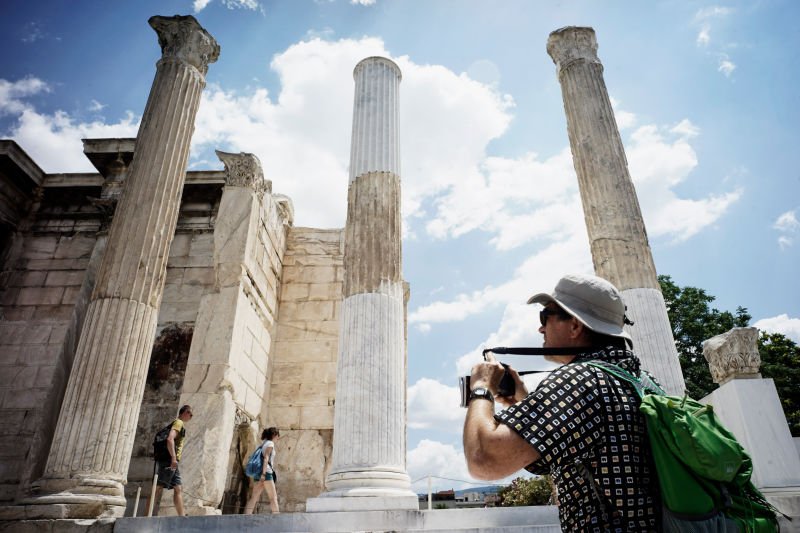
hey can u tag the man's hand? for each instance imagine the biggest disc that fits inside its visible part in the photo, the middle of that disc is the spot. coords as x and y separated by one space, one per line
520 390
173 464
487 374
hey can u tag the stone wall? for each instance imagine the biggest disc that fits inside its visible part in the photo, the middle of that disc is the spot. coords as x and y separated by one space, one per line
45 285
304 363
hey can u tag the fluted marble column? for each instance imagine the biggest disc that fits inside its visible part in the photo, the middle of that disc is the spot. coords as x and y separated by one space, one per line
93 440
368 469
620 250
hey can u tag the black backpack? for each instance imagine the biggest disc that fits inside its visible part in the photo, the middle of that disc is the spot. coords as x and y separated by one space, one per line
160 451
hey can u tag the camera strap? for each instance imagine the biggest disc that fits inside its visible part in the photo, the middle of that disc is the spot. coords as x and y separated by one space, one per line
537 351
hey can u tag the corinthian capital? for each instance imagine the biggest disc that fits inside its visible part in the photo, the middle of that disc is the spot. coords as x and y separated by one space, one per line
733 354
572 44
182 38
244 170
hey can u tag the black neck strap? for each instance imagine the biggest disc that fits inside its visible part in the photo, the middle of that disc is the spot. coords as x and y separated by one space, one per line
540 351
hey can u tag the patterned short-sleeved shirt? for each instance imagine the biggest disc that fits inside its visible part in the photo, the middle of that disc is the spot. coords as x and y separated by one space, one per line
592 439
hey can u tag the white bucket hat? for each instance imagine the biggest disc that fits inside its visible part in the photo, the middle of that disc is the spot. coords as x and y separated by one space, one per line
595 302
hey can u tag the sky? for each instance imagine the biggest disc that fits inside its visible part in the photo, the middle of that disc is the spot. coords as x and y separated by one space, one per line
705 97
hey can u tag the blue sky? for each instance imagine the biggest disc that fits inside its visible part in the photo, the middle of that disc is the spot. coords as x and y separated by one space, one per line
705 96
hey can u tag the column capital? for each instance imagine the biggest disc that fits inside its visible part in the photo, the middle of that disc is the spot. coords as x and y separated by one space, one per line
244 170
733 354
572 44
182 38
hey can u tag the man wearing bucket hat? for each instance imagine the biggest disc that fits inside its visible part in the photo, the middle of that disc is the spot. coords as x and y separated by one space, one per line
581 424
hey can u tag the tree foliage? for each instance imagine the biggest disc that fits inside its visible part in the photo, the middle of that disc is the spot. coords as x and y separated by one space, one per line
694 320
780 360
533 491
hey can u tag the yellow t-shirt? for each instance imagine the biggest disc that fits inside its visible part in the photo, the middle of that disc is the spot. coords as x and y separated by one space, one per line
181 434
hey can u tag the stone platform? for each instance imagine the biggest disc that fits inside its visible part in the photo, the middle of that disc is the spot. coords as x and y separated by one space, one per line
542 519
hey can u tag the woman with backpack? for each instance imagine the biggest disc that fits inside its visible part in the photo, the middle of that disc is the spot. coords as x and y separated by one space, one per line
266 480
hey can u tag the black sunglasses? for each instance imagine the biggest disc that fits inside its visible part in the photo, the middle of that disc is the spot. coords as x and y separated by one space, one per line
545 313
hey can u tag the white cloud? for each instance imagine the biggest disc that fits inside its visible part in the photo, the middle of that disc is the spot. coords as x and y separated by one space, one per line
363 2
434 405
704 36
13 93
712 12
726 66
447 466
781 324
252 5
54 140
96 106
787 224
625 119
443 461
241 4
33 32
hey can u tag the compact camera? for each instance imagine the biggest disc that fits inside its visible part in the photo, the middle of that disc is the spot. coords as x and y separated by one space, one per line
507 386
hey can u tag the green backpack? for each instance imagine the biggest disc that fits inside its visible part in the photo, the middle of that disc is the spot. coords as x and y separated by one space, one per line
703 471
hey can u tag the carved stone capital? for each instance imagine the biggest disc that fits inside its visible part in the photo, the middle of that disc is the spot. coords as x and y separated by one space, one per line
571 45
733 354
182 38
285 208
244 170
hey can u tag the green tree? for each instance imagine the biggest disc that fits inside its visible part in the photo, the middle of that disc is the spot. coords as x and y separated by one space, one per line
531 491
693 321
780 360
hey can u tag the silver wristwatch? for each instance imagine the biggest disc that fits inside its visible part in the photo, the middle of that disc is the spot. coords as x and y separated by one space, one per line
481 393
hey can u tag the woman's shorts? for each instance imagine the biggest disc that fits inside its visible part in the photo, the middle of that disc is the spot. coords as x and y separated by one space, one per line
268 477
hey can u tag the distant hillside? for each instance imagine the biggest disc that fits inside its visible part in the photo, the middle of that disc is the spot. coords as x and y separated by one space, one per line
487 489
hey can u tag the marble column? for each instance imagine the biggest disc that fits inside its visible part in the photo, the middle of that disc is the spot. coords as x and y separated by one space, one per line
620 250
93 439
368 470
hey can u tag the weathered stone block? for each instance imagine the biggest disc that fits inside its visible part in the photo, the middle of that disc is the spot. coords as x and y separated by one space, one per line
74 246
325 291
18 314
312 330
285 417
317 417
318 372
180 245
59 313
24 398
18 377
303 350
71 295
63 278
287 373
294 292
40 296
42 247
307 311
309 274
28 279
199 276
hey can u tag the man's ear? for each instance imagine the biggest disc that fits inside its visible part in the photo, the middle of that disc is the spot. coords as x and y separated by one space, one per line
576 328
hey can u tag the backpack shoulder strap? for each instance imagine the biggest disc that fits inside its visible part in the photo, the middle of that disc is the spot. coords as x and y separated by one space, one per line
643 385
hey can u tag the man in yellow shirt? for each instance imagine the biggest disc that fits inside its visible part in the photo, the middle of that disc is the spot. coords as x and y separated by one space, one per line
168 475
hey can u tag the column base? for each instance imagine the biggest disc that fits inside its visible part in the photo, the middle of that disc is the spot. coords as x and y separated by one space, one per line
340 501
365 490
70 498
